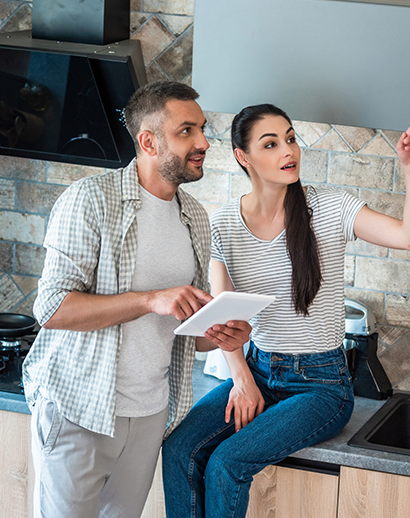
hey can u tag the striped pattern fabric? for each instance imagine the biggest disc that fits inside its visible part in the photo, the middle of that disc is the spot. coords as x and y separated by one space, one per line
264 267
91 242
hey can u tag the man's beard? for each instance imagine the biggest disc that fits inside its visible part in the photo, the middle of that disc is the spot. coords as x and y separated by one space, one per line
175 170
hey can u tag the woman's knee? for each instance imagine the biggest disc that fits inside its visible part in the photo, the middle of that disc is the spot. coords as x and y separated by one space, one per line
225 462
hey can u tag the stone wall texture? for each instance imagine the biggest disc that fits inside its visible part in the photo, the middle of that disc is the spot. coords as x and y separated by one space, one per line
362 161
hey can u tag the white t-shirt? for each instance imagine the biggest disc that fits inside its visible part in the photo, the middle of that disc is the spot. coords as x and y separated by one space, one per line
259 266
165 259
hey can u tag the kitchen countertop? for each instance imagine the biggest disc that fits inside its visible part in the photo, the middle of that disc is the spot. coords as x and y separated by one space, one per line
335 451
13 402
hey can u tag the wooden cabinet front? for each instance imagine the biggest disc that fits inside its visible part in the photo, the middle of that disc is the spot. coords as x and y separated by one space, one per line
279 492
16 466
372 494
155 504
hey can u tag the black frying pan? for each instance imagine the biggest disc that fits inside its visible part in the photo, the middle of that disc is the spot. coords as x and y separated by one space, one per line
13 325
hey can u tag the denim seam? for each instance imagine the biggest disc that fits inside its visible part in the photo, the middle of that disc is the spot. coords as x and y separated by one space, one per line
319 365
313 365
192 463
235 501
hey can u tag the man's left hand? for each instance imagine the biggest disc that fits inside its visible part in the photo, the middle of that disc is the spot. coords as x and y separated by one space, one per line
230 337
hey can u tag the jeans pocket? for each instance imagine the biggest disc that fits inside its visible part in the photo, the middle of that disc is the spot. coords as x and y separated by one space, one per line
325 374
48 423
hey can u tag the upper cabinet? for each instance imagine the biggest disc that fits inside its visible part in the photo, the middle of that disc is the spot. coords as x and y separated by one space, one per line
330 61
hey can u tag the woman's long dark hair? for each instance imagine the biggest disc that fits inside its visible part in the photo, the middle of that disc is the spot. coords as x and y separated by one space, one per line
300 238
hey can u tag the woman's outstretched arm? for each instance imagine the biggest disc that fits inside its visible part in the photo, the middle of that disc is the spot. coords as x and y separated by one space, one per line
383 230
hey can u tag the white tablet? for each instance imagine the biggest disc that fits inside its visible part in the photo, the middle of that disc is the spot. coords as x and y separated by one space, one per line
228 305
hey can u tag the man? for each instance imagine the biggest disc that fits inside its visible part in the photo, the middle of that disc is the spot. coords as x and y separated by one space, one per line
127 259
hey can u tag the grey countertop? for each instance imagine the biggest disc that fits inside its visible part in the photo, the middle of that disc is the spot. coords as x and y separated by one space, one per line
13 402
335 451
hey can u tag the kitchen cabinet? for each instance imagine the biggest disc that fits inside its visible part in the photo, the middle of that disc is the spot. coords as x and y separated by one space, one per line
293 493
373 494
16 466
155 504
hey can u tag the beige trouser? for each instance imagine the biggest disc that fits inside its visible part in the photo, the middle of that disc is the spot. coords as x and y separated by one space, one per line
82 474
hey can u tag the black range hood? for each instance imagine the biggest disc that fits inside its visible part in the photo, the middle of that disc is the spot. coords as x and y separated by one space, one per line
63 100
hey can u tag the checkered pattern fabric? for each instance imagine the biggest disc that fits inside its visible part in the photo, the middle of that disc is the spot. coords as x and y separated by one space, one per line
91 243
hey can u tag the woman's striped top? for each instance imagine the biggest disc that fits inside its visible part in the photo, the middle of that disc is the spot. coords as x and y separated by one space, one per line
259 266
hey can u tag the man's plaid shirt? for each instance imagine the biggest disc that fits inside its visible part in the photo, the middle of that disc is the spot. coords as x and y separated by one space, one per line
91 244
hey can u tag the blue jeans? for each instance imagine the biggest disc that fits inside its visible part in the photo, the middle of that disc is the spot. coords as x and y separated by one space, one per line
208 468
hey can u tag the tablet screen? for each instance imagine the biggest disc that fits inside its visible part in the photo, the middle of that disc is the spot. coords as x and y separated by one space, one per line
228 305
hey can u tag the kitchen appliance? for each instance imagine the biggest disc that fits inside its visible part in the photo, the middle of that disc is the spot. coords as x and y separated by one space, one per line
369 378
17 333
98 22
64 85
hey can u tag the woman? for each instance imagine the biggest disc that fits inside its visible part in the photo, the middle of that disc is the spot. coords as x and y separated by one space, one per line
294 389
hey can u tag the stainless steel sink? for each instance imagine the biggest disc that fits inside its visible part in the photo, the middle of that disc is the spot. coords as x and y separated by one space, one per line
389 428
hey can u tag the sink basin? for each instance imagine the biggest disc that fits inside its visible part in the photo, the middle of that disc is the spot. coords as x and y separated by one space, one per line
389 429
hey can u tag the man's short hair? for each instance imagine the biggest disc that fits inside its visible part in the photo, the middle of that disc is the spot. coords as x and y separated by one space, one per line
151 99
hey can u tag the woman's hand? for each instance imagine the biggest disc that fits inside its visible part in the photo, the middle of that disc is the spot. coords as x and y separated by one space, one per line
230 337
403 149
246 402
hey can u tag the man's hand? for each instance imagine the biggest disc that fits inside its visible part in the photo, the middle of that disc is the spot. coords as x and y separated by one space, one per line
181 302
230 337
88 312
